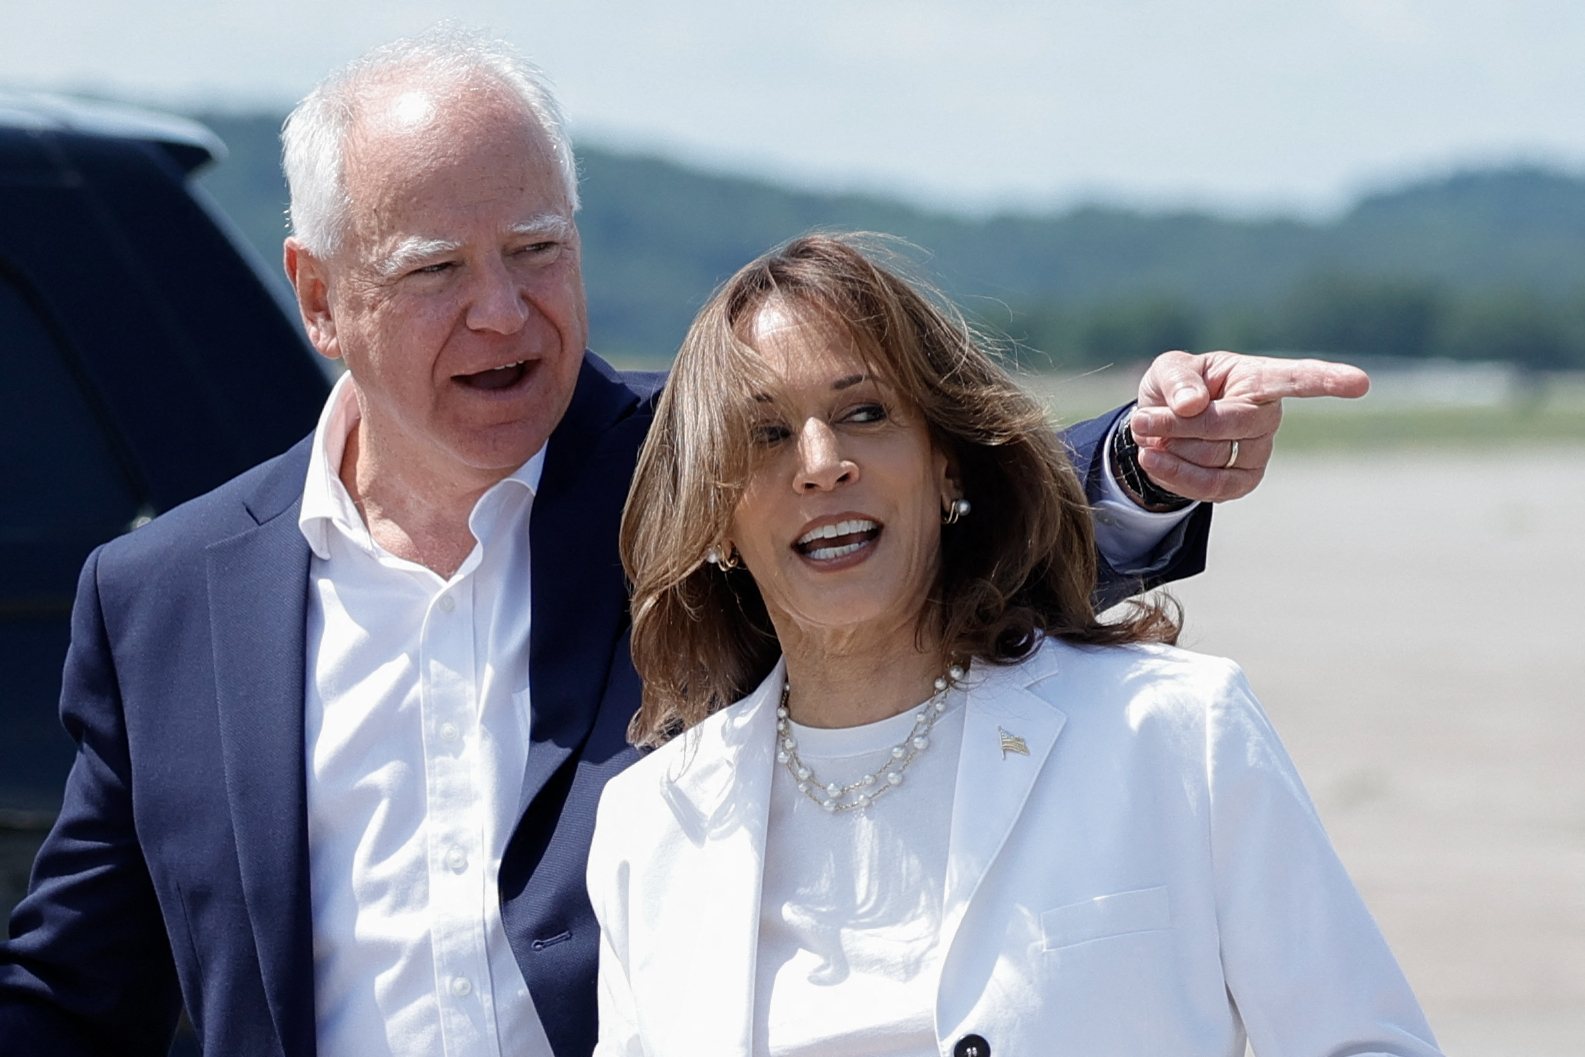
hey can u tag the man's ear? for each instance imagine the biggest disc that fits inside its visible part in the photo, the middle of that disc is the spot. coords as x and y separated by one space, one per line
310 280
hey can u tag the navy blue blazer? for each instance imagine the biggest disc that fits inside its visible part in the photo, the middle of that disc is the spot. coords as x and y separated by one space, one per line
178 870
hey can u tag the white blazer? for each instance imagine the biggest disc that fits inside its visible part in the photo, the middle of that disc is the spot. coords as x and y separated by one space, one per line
1150 880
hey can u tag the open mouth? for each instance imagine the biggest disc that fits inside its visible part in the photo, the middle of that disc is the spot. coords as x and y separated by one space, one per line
496 378
838 539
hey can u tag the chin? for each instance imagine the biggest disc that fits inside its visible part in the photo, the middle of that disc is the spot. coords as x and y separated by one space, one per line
833 613
501 453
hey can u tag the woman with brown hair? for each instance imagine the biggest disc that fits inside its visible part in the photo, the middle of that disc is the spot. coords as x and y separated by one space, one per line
951 811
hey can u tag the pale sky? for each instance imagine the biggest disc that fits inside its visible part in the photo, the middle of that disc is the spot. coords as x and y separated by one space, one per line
1245 105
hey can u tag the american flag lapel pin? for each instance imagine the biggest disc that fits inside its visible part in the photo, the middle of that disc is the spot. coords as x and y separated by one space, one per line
1012 743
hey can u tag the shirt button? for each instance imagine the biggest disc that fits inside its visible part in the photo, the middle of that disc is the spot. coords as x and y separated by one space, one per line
449 732
457 859
461 986
972 1046
447 603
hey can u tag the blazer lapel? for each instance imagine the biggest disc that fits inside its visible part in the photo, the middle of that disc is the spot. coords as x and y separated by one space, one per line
258 592
720 794
578 592
1008 733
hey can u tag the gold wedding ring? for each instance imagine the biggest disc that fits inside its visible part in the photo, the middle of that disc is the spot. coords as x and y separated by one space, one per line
1232 457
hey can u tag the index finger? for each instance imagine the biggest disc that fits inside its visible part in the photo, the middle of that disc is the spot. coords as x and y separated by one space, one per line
1267 379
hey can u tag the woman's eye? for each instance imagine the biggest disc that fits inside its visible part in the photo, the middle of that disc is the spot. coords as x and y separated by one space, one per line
868 413
768 433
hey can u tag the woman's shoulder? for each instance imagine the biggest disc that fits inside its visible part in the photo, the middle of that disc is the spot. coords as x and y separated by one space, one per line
683 750
1150 661
1139 676
1167 703
692 757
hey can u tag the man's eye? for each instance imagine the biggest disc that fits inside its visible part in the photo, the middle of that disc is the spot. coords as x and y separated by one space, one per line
768 433
435 269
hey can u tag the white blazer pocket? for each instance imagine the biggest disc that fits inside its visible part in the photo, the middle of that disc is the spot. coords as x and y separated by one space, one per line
1143 910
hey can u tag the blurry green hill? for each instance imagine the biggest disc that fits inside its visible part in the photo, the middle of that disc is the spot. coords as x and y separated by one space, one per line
1477 265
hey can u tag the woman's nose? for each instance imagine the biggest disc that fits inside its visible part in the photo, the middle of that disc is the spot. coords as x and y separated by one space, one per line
497 302
821 465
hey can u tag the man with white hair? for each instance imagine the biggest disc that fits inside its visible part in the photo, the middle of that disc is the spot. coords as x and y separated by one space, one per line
343 722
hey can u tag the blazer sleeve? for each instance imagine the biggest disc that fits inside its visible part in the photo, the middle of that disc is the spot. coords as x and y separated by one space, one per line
1180 554
88 968
1306 965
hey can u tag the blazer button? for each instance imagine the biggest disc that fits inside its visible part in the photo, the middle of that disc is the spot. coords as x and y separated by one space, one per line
972 1046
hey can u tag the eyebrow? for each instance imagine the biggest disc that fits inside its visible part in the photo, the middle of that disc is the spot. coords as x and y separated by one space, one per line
412 251
837 386
415 250
544 224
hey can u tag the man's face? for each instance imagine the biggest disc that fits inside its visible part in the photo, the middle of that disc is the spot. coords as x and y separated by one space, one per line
455 298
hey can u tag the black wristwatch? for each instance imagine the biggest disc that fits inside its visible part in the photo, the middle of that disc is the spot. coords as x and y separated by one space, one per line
1125 458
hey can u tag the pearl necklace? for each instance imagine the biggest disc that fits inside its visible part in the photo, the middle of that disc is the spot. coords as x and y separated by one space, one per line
889 775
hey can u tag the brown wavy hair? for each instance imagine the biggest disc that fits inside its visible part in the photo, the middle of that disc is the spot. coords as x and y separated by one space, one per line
1020 565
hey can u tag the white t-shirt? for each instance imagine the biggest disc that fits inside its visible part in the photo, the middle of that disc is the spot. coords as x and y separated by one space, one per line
850 914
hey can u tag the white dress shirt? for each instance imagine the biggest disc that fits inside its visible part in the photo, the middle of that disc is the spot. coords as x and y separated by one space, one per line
416 736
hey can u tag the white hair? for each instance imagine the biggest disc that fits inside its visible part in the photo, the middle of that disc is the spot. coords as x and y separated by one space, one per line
314 137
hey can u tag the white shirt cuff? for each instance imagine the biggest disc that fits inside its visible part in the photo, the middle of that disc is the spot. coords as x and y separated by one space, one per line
1125 532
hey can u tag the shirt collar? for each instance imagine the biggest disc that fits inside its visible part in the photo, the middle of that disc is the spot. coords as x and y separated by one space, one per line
326 501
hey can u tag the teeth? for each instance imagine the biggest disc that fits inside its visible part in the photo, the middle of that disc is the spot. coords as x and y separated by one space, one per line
509 366
840 528
827 553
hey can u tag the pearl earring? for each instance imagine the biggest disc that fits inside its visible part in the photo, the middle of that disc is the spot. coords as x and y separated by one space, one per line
955 509
727 564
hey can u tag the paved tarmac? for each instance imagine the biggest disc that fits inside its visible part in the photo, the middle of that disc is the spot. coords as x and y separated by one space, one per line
1415 625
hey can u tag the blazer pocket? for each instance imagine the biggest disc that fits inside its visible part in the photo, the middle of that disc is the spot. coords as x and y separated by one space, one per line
1143 910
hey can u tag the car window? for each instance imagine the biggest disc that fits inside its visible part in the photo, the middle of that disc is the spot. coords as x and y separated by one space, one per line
61 485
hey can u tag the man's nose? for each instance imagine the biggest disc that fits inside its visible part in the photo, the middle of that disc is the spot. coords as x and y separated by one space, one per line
496 301
821 463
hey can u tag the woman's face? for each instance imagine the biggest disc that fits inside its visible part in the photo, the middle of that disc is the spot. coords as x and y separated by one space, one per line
840 524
